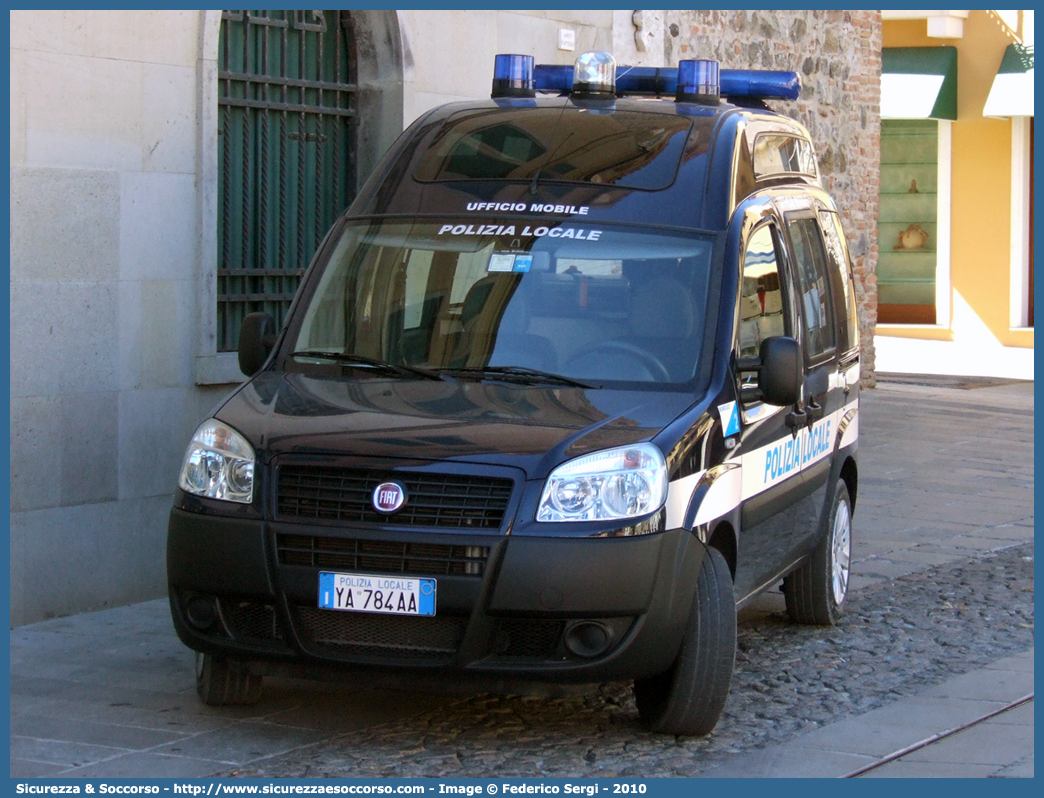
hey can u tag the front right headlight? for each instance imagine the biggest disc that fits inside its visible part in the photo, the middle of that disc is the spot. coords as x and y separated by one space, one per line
618 483
219 464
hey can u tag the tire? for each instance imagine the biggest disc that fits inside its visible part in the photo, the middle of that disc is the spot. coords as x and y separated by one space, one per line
689 698
221 682
815 593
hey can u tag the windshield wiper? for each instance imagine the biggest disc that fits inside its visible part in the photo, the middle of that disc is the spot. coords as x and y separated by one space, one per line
362 361
518 374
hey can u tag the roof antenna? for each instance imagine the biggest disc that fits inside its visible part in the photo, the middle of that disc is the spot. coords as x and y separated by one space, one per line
554 130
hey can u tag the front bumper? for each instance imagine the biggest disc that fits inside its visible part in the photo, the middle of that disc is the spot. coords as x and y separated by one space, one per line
508 606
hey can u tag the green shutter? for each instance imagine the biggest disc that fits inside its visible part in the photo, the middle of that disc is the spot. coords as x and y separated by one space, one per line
909 170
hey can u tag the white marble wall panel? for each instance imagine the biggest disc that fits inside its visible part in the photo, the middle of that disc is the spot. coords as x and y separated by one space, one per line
64 338
50 31
63 450
36 445
153 36
128 369
154 429
89 454
168 118
166 333
65 224
519 32
17 106
446 50
92 556
589 17
36 351
84 112
437 39
157 226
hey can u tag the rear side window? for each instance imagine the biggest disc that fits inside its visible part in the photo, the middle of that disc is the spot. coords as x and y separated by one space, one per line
761 296
778 154
841 266
813 285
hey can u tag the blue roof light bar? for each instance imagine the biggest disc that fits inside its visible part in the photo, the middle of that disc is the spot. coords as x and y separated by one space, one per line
657 81
553 77
763 84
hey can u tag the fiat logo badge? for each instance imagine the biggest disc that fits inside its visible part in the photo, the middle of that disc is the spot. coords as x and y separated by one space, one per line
389 497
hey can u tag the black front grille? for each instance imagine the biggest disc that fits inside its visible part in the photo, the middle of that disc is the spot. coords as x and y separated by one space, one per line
252 622
374 634
528 639
434 500
382 556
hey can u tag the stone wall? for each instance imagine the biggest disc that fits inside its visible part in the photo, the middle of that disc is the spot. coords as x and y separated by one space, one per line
838 54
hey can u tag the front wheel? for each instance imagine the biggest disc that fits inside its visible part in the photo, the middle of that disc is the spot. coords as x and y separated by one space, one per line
815 593
222 682
690 697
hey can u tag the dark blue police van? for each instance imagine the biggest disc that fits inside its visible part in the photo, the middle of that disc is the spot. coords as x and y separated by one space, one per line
574 378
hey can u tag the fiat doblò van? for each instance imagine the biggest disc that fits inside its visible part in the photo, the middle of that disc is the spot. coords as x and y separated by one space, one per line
574 378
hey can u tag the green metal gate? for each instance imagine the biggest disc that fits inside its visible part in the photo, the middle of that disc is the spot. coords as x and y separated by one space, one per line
286 153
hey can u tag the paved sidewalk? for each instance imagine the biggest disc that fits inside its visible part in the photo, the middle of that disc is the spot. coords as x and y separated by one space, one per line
111 693
1000 746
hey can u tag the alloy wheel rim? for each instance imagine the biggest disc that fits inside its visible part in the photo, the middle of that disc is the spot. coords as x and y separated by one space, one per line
842 551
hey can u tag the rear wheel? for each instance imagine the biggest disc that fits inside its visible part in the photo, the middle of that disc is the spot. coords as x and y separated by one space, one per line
222 682
816 592
689 698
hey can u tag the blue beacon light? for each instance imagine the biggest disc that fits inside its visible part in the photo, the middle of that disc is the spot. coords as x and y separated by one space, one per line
698 82
513 76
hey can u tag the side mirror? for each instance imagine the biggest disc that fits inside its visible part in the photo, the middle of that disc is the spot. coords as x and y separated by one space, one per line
256 338
779 379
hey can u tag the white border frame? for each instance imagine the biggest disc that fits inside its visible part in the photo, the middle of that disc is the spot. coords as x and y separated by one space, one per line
1020 222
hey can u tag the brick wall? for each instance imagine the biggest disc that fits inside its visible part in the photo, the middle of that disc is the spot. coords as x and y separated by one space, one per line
838 54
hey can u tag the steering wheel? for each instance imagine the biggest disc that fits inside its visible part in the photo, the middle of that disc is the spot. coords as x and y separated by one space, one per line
647 359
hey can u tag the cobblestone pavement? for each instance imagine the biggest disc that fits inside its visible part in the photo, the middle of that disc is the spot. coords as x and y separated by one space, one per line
921 630
942 585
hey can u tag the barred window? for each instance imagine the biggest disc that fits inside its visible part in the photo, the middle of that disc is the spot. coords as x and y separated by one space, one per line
286 153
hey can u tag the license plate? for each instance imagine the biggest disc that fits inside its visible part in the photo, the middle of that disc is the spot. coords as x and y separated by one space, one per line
391 595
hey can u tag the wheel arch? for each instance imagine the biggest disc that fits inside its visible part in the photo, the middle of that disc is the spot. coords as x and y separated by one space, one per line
723 538
850 474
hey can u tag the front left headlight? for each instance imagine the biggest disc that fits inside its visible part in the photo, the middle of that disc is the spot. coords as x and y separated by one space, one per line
219 464
618 483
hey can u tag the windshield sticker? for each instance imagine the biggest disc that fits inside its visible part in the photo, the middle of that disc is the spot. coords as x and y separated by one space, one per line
578 233
535 207
499 262
508 262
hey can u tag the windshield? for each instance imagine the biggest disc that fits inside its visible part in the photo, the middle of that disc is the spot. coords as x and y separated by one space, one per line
593 305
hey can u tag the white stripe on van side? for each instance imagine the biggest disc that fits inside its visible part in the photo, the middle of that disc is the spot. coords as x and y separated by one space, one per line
762 468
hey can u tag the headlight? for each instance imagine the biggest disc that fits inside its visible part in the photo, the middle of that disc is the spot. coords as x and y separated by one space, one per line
617 483
219 464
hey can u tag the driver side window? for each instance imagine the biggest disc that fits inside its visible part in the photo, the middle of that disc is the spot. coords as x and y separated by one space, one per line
761 296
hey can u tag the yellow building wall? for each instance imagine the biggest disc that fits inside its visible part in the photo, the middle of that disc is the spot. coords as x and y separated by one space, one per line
980 210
